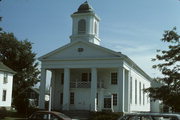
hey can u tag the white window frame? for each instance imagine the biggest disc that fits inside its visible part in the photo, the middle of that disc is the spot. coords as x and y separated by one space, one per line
4 97
5 78
140 93
114 83
72 98
82 26
143 94
95 28
131 85
115 101
88 77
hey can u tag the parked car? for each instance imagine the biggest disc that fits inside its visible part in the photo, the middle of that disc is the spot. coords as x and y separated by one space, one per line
150 116
48 115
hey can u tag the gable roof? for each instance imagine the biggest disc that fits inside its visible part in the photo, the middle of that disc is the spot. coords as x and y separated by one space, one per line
136 67
118 54
31 88
5 68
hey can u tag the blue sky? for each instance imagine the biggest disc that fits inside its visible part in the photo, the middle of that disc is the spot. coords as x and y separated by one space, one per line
133 27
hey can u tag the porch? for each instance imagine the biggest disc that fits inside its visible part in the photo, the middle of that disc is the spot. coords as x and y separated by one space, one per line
89 81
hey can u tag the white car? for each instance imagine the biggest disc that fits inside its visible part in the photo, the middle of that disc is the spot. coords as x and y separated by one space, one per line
150 116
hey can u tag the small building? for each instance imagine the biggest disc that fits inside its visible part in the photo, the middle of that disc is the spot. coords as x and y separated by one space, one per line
88 76
6 85
32 94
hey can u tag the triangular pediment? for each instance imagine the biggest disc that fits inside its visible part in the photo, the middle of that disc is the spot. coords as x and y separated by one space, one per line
80 50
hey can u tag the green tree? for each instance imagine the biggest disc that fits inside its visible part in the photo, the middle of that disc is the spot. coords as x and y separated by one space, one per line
0 21
169 65
18 56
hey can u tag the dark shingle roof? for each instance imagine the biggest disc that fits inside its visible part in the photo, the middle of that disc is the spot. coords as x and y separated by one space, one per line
84 8
6 68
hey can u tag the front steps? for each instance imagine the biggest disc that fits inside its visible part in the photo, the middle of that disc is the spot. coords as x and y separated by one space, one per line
77 114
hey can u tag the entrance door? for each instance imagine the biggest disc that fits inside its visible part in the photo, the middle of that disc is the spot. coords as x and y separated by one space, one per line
107 103
82 99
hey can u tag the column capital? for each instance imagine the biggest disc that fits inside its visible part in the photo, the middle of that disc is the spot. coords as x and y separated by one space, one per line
121 67
66 68
93 68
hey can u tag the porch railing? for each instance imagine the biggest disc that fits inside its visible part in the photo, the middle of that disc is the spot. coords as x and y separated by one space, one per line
82 84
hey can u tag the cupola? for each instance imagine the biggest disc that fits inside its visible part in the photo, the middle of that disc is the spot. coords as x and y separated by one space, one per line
85 25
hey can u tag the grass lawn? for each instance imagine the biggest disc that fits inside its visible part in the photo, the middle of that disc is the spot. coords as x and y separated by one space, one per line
13 118
13 115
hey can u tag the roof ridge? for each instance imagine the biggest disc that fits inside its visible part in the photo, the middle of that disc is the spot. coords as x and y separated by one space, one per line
5 68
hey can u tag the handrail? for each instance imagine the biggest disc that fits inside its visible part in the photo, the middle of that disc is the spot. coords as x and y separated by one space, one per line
84 84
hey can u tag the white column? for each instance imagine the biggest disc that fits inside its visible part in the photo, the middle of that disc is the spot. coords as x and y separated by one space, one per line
53 97
66 93
93 89
126 92
121 84
42 89
129 104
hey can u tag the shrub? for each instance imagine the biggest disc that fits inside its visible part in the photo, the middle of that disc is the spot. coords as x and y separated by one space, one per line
2 112
23 105
105 116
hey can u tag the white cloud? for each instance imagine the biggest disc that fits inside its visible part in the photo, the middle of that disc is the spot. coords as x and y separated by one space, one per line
145 63
141 54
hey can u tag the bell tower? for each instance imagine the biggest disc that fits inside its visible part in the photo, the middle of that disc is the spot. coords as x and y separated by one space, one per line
85 25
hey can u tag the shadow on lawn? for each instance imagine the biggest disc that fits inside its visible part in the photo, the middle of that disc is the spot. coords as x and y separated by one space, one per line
13 115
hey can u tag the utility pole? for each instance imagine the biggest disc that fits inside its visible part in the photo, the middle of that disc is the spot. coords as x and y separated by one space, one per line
50 89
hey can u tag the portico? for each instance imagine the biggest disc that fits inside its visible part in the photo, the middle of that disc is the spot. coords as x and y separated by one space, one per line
65 81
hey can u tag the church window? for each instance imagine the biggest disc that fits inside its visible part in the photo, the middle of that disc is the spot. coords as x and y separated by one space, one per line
114 78
107 102
61 98
81 26
71 98
130 89
114 99
5 78
4 95
80 49
143 94
139 92
95 27
135 91
62 78
86 77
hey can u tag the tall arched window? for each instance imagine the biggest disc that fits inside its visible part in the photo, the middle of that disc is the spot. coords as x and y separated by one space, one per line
95 27
81 26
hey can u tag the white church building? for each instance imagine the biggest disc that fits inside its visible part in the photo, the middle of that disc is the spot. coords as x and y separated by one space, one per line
87 76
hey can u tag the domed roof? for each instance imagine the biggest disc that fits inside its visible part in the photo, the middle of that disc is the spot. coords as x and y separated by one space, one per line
84 8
